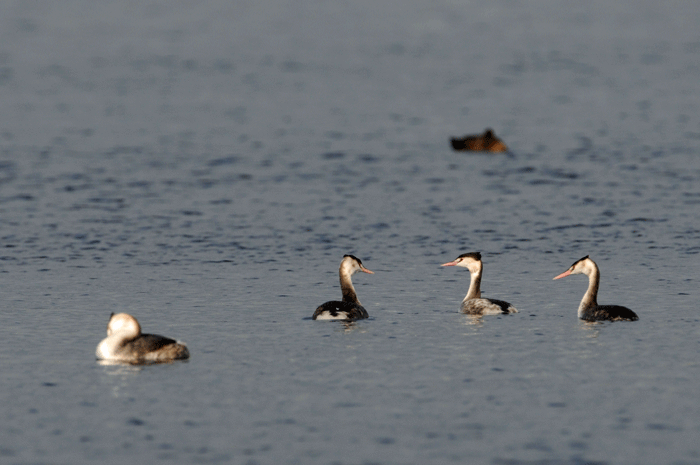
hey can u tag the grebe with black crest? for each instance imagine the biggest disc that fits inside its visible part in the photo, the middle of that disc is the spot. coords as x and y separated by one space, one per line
589 309
350 307
473 303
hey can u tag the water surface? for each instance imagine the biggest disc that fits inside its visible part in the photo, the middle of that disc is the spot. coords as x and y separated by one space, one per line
205 168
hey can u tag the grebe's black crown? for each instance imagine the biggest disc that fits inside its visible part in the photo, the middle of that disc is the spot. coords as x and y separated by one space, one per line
354 258
580 260
474 255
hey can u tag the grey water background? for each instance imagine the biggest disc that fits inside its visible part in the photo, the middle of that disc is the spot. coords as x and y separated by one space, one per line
204 166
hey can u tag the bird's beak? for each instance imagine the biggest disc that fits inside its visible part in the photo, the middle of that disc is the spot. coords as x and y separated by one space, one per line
564 274
452 263
362 268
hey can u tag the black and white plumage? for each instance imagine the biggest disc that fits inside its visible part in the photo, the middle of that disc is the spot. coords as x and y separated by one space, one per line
589 309
350 307
473 303
125 343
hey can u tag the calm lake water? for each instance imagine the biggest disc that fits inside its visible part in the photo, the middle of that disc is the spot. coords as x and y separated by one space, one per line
205 166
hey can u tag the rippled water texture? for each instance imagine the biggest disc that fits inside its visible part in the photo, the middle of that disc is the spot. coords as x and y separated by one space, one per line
205 166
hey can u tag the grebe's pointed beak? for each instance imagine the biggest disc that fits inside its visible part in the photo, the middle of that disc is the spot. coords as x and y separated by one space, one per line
564 274
362 268
452 263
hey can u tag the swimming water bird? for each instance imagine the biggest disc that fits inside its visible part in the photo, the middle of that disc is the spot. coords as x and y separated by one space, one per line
589 309
350 308
473 303
125 343
486 142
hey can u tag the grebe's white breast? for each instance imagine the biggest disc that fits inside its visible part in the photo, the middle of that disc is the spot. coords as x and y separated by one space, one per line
125 343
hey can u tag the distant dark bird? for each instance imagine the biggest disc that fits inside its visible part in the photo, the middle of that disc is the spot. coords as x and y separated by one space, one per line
473 303
589 309
350 307
486 142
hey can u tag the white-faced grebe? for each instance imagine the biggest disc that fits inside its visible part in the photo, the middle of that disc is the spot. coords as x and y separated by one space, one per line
350 308
473 303
125 343
589 309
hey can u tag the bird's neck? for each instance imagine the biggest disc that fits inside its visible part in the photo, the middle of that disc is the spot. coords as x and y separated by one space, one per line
590 298
349 294
112 344
474 291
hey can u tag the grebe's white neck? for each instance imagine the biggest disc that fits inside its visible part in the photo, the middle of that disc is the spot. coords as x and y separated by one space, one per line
121 329
472 262
474 291
590 298
589 268
348 267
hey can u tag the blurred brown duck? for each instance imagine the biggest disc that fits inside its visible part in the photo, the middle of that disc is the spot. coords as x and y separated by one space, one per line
486 142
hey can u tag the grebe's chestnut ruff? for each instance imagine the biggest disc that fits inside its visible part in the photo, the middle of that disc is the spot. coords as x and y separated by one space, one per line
589 309
125 343
350 307
473 303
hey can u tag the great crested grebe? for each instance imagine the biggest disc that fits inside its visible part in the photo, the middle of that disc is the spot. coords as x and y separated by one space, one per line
589 309
473 303
350 308
125 343
486 142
